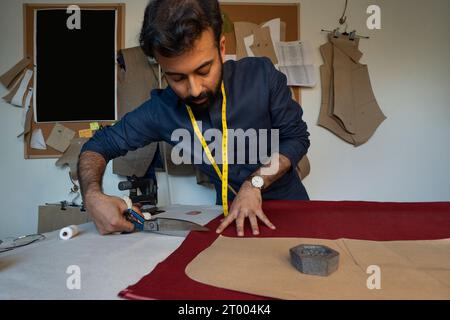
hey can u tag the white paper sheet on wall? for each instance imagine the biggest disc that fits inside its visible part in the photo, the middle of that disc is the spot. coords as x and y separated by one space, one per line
17 100
37 140
295 60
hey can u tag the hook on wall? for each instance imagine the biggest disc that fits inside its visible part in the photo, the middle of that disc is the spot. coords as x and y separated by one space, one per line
343 21
343 18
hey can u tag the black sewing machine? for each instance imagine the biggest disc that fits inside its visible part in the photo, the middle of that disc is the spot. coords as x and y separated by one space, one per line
143 191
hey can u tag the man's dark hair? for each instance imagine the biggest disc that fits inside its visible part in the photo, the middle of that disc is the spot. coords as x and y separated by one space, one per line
171 27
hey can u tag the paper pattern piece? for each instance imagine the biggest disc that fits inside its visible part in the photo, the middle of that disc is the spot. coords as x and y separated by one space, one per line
274 26
261 266
263 46
8 78
37 140
70 157
349 107
255 41
14 88
295 60
60 137
243 30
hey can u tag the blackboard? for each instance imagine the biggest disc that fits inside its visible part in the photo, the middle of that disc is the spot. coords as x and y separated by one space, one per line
75 75
30 12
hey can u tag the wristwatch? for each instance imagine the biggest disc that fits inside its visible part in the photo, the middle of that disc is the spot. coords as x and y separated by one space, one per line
257 182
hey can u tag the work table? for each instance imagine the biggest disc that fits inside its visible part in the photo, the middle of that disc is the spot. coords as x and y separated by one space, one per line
107 264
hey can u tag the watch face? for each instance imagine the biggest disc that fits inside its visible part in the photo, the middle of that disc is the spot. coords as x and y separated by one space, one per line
257 182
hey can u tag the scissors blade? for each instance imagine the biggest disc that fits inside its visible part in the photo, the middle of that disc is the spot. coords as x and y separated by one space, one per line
166 224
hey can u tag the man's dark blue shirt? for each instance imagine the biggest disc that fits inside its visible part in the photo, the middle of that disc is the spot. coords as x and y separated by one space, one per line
257 98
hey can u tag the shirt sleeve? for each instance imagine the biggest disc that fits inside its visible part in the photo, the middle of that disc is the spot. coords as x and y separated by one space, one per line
287 116
135 130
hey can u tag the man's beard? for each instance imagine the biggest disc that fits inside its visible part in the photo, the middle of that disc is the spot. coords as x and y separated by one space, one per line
211 96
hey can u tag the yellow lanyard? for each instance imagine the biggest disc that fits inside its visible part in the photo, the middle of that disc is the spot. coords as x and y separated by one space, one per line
222 175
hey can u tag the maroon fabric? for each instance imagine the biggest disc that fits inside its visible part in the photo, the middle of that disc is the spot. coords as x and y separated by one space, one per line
307 219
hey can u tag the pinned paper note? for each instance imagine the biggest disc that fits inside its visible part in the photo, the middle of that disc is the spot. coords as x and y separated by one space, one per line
94 126
37 140
86 133
295 60
60 138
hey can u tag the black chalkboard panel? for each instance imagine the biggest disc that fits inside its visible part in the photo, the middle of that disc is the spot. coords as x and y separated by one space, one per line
75 69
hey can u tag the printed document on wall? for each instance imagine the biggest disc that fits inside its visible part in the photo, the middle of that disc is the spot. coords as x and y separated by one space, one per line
295 60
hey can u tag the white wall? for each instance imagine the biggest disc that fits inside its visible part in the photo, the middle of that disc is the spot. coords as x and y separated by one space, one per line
406 160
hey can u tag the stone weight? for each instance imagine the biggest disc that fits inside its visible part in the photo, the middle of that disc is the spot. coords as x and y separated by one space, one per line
314 259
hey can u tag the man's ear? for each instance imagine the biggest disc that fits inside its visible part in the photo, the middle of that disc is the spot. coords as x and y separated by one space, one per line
222 48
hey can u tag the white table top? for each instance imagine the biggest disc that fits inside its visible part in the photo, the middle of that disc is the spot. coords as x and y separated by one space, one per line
108 264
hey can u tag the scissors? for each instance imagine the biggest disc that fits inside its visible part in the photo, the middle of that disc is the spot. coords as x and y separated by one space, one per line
159 224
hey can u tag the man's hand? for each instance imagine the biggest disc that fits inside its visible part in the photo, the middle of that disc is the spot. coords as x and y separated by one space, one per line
247 204
108 213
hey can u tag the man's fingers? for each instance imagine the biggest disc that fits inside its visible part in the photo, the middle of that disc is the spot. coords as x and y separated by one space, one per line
123 224
123 207
225 223
128 226
266 220
240 224
254 224
120 224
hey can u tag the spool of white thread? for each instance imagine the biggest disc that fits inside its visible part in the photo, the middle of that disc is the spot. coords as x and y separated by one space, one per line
68 232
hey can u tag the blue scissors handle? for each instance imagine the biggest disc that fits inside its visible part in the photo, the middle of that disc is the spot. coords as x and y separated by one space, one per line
138 220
